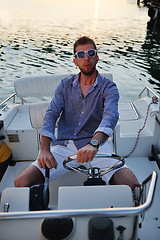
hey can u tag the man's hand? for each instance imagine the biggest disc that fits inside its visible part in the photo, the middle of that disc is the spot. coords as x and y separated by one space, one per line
46 158
86 153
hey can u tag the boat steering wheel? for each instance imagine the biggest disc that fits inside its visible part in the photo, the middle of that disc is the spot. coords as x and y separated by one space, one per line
94 172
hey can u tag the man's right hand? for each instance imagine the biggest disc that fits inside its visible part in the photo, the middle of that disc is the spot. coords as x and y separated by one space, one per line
46 158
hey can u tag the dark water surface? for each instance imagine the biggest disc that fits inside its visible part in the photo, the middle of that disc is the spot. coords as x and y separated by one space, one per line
36 38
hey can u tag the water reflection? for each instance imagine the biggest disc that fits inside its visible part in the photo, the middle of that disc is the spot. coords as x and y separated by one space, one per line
151 46
96 5
37 38
151 49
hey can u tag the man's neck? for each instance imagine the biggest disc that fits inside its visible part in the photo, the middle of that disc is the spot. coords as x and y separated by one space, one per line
88 79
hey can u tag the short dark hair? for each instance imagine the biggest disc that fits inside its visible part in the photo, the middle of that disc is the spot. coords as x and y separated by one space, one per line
83 40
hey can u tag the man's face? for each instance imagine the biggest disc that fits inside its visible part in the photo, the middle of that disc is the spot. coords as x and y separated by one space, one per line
87 64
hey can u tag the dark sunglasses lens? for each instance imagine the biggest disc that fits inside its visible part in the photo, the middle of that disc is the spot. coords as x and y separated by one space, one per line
91 53
81 54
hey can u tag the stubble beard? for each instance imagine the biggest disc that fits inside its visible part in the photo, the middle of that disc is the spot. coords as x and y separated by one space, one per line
89 72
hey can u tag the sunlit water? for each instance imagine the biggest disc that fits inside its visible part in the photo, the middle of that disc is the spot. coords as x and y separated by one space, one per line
36 38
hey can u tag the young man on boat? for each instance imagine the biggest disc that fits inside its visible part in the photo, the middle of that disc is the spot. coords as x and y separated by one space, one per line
87 107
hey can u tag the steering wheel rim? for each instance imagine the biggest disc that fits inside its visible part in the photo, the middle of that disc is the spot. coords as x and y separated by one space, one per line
85 171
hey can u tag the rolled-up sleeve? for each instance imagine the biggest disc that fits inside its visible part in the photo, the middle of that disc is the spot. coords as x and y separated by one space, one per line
110 112
53 113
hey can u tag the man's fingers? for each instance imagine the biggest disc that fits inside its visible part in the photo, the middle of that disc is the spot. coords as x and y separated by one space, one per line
47 160
84 156
79 156
40 162
51 163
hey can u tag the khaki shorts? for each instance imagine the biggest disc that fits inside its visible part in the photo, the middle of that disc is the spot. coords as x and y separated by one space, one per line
60 153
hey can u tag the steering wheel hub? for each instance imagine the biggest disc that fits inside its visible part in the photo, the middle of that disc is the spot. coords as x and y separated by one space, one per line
94 172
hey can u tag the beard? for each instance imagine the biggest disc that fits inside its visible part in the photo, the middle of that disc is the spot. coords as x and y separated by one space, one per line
89 71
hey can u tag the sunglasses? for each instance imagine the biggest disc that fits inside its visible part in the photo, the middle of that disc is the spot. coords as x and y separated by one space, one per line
90 53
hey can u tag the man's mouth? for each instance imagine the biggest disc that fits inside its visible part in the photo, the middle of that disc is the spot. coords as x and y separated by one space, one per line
87 65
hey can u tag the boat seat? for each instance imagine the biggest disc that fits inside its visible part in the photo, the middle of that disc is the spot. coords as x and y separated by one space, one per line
42 86
37 112
37 86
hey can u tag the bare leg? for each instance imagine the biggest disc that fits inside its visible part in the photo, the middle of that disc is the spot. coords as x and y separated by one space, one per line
124 176
28 177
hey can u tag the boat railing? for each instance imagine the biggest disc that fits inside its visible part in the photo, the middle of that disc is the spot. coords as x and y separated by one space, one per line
149 92
109 212
12 96
135 111
7 99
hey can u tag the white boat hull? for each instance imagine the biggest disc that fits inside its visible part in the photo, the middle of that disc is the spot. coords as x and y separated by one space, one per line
19 124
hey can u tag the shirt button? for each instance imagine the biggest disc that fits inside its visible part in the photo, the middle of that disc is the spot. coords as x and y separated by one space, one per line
65 142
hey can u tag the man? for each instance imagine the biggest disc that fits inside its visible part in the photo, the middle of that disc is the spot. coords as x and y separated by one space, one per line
87 105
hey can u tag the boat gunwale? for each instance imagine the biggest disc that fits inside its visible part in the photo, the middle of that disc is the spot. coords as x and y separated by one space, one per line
109 212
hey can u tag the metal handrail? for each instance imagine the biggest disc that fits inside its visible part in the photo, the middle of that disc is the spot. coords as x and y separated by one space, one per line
14 99
148 92
109 212
139 96
7 99
134 110
135 113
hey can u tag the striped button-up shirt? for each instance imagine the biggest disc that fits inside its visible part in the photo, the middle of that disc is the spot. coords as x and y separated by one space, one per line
81 117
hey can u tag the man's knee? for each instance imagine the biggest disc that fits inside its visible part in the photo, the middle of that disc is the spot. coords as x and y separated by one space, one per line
29 177
124 176
19 182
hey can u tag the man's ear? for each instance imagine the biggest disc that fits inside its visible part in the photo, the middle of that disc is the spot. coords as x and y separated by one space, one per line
75 61
97 58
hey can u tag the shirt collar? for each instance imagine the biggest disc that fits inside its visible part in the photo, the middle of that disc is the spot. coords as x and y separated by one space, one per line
76 80
97 82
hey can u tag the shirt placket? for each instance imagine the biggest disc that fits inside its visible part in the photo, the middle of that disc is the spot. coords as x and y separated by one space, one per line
81 117
83 113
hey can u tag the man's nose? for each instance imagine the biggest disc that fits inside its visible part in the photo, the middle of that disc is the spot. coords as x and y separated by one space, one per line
86 57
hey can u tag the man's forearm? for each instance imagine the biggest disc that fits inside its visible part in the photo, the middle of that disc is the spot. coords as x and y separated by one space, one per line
45 143
101 137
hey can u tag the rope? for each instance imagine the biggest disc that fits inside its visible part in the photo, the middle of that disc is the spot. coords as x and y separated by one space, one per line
154 101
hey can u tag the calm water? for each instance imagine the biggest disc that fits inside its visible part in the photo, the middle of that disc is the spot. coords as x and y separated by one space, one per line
36 38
